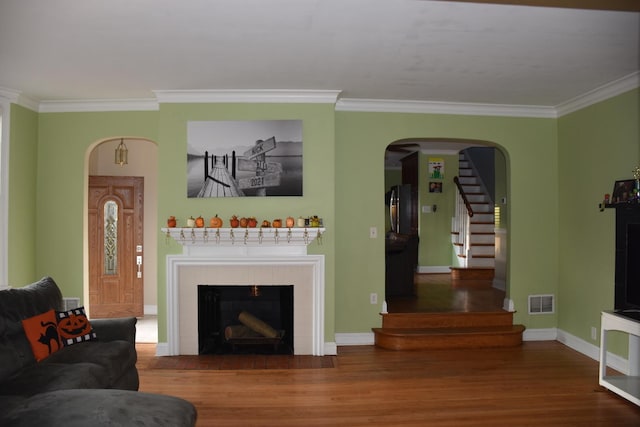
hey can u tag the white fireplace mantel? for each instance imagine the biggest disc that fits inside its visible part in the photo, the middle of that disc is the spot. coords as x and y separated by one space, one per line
262 259
293 239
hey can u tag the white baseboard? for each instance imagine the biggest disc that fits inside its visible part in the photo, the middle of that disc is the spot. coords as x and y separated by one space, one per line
364 338
150 310
433 269
162 349
550 334
330 349
614 361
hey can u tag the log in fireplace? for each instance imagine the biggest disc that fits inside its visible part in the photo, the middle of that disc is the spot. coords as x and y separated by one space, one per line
222 319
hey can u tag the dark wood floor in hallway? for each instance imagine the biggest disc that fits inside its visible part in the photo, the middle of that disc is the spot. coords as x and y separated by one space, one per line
440 293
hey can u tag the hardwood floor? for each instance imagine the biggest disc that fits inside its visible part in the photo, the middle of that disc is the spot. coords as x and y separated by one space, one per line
537 383
440 293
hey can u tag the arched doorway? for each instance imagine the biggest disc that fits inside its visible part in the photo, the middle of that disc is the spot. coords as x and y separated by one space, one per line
142 165
434 204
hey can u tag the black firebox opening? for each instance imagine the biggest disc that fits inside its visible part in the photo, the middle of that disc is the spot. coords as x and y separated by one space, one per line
220 305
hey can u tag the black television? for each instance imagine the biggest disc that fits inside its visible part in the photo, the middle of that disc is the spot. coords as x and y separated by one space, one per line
627 268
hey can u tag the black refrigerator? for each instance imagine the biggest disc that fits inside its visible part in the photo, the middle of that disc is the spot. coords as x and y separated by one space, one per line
401 205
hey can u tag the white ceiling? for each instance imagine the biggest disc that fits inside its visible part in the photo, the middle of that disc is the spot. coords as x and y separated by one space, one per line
368 49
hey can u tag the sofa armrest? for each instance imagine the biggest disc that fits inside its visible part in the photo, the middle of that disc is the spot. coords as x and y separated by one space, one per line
121 328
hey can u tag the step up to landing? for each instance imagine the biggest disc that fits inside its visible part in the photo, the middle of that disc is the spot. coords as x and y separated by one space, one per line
448 338
472 273
448 330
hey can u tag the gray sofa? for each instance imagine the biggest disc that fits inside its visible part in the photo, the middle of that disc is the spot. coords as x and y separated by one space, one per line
99 378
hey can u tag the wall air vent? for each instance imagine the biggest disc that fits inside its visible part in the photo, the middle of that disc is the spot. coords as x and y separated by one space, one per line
70 303
541 304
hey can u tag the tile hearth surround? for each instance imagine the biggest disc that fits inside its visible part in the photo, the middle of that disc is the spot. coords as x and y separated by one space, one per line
210 264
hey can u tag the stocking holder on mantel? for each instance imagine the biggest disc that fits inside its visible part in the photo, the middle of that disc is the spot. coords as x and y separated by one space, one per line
259 236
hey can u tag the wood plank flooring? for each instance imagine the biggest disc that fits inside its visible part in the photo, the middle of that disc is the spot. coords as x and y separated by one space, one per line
535 384
538 383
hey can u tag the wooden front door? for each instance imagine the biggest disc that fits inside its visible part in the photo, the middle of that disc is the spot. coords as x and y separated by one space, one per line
115 246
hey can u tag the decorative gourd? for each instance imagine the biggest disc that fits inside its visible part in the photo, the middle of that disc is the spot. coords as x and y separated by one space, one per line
234 222
215 222
252 222
191 222
171 222
266 223
200 222
243 222
73 326
277 223
290 222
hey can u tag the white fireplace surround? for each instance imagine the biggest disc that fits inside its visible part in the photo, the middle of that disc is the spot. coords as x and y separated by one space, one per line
241 265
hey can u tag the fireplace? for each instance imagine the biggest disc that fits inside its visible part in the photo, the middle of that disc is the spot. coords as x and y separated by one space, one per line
244 258
245 319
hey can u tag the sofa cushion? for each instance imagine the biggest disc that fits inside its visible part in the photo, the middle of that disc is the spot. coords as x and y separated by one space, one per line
18 304
100 408
42 332
115 357
74 327
44 376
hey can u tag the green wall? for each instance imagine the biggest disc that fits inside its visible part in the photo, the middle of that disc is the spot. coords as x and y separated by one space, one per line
64 143
318 182
435 227
557 171
361 139
23 171
599 145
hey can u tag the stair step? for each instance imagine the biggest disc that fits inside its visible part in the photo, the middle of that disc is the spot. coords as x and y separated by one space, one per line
446 320
448 338
473 273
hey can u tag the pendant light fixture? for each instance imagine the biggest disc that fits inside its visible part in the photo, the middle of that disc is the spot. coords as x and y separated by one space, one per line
122 153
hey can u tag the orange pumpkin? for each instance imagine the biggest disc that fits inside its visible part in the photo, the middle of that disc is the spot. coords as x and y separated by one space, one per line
290 221
200 222
215 222
74 326
243 222
277 223
171 222
252 222
234 222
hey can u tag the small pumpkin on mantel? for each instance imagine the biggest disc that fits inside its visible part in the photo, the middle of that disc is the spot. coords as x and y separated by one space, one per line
290 222
215 222
276 223
200 222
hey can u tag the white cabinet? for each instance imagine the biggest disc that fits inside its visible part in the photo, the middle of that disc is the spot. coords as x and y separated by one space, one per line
627 386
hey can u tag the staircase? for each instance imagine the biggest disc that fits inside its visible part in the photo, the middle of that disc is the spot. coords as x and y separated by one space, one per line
473 237
436 331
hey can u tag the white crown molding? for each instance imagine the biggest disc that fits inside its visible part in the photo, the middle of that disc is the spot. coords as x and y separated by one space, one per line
248 96
15 97
599 94
434 107
97 105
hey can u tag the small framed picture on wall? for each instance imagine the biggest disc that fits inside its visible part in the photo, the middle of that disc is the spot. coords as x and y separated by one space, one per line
435 187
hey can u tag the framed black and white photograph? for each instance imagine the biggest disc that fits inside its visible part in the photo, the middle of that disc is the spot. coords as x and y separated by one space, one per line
623 191
244 158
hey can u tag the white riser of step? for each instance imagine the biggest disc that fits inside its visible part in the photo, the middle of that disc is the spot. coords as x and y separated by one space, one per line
463 164
477 198
481 262
481 207
471 188
468 180
482 238
482 250
465 172
481 228
483 217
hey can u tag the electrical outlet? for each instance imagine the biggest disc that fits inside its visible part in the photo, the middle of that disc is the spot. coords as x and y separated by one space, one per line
594 333
373 298
373 232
